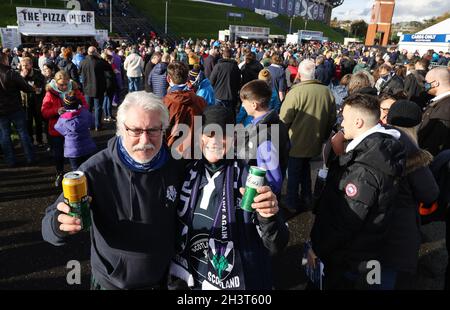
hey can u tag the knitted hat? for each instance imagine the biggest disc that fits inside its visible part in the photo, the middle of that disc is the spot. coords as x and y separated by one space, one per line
193 74
71 102
404 113
219 115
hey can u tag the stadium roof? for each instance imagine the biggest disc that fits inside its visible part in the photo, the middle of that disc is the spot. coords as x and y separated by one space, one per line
335 3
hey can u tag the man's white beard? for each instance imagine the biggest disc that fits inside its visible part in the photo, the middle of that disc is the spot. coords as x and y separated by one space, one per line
145 147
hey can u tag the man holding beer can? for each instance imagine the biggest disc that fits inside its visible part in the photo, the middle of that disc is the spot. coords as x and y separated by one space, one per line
134 184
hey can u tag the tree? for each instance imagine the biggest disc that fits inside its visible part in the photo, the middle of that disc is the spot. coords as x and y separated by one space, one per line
394 38
359 28
334 22
434 20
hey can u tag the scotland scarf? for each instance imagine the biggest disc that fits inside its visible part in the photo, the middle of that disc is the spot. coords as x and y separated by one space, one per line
224 261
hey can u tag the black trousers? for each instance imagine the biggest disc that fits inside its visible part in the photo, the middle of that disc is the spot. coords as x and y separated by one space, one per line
33 113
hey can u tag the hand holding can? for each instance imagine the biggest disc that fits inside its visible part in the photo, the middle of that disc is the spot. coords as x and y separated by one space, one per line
67 223
75 196
255 179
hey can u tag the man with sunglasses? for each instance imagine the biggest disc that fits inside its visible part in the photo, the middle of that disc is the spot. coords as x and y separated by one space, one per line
134 184
434 132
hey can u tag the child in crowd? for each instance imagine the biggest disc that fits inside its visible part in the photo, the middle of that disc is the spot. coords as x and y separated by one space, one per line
74 125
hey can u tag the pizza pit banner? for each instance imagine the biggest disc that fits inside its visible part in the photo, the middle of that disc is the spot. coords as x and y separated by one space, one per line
40 22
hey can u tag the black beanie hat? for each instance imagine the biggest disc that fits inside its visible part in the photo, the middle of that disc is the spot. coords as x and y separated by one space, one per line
404 113
219 115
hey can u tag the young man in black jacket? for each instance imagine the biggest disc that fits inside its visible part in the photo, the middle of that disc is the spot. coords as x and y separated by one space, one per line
352 212
11 84
226 81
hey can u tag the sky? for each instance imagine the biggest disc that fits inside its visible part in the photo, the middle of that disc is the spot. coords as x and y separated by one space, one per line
405 10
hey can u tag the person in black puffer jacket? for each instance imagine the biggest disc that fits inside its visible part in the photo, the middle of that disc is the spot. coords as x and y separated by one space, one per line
361 187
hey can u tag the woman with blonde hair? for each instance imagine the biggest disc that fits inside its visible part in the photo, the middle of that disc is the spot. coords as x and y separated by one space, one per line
275 103
360 83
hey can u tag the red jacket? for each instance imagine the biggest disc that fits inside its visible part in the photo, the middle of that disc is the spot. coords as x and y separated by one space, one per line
183 106
293 73
52 103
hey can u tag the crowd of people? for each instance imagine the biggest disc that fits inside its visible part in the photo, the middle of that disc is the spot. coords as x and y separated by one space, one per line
379 118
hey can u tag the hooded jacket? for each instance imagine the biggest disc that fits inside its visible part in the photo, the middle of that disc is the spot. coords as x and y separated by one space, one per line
183 106
77 59
206 91
133 220
75 126
157 79
351 215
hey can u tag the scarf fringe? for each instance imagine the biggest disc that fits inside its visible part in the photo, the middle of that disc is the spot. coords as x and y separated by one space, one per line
181 273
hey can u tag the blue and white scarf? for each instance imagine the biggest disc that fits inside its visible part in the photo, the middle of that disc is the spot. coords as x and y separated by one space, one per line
182 87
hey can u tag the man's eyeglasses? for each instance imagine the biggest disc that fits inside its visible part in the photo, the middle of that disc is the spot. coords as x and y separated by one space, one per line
137 132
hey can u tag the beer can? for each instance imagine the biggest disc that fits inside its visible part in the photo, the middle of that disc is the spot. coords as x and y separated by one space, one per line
255 179
75 196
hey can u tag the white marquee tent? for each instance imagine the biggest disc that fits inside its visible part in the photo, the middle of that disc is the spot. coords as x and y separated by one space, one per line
436 37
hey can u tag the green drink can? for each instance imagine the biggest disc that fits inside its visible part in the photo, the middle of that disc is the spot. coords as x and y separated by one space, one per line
255 179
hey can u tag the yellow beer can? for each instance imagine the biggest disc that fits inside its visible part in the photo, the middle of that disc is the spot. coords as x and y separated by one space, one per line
74 187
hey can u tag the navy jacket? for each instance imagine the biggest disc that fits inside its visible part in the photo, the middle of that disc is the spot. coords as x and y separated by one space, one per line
157 80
